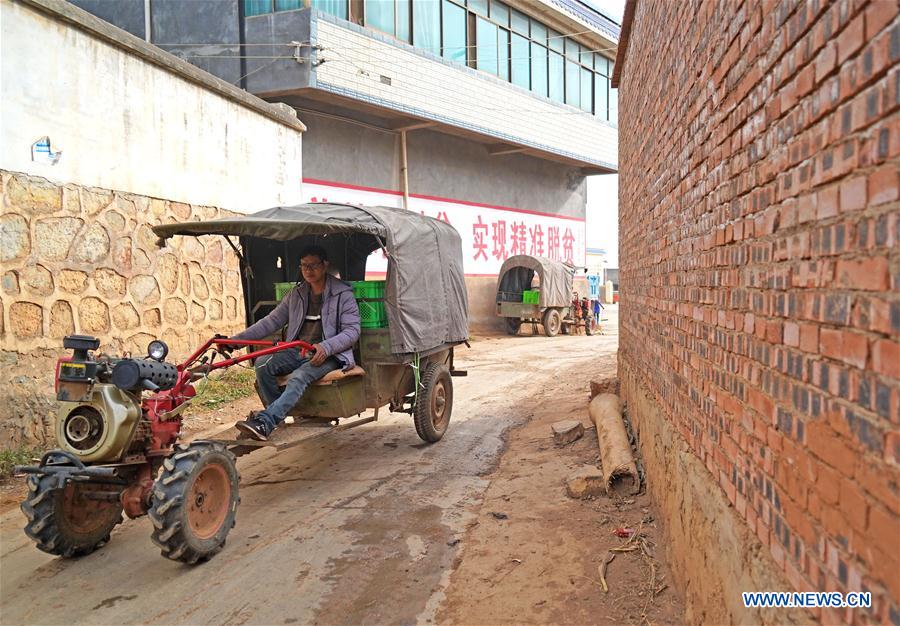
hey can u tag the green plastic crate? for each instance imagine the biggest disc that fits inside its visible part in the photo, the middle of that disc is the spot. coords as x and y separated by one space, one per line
369 296
531 296
368 288
372 313
281 290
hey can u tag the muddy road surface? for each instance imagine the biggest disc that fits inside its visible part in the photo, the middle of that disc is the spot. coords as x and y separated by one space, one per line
368 525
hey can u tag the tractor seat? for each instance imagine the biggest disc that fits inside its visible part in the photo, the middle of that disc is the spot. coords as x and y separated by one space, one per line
330 377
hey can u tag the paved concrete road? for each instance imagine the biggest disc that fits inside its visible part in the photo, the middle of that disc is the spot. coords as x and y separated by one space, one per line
345 529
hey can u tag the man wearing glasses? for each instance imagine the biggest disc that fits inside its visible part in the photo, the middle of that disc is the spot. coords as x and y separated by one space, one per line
321 311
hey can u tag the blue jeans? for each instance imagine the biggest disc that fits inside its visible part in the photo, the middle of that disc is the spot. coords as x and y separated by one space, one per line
302 372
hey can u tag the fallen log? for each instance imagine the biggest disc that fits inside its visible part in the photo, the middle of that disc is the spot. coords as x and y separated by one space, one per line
619 469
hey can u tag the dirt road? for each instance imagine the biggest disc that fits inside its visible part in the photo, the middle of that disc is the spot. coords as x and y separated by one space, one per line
371 525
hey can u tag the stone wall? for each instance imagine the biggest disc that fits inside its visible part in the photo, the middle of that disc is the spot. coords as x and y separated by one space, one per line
83 260
760 283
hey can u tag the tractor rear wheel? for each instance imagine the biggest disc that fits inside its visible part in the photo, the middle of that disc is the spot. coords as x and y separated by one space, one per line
434 403
66 522
194 502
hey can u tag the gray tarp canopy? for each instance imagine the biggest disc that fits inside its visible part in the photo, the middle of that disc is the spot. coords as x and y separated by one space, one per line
517 272
425 295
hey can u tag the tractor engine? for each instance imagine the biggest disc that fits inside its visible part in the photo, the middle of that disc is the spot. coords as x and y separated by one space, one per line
100 399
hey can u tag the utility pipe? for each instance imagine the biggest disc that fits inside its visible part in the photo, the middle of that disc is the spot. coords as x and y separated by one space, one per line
404 166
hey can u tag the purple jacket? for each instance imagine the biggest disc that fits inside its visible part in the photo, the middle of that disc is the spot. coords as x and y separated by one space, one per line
340 319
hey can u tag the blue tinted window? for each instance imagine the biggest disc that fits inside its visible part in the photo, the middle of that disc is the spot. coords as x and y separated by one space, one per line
538 32
614 106
555 41
503 53
380 15
486 46
453 30
288 5
521 68
427 26
500 13
587 89
557 77
403 16
335 7
479 6
257 7
518 22
601 102
573 84
538 69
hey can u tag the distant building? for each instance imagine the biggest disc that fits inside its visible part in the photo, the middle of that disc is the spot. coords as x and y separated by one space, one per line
484 113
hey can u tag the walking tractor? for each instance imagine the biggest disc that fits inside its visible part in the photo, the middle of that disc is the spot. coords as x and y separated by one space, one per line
118 426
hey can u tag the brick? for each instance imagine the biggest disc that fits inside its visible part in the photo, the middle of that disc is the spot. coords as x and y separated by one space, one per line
809 338
886 358
881 485
827 203
853 194
759 201
883 185
851 39
828 446
878 15
870 274
843 345
791 334
853 504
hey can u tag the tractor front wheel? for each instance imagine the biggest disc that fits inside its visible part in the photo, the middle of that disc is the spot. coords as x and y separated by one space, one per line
67 521
194 502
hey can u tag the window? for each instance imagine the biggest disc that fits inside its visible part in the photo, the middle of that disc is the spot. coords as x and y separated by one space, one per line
557 78
257 7
478 6
521 70
453 30
288 5
573 83
503 53
601 102
427 26
338 8
614 106
403 17
500 13
586 90
538 32
555 41
380 15
486 46
538 69
389 16
518 22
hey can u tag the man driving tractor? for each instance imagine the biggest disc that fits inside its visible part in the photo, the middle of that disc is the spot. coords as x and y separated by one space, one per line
321 311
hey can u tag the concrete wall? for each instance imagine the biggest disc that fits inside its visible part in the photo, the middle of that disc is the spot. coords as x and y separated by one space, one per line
126 14
440 165
146 139
760 294
209 31
128 124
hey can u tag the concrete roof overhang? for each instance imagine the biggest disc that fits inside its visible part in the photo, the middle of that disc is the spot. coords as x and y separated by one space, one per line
316 101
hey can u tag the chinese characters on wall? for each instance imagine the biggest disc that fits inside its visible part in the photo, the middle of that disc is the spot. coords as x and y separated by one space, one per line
489 235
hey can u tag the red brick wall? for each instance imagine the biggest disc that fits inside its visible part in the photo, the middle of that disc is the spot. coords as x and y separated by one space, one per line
760 268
